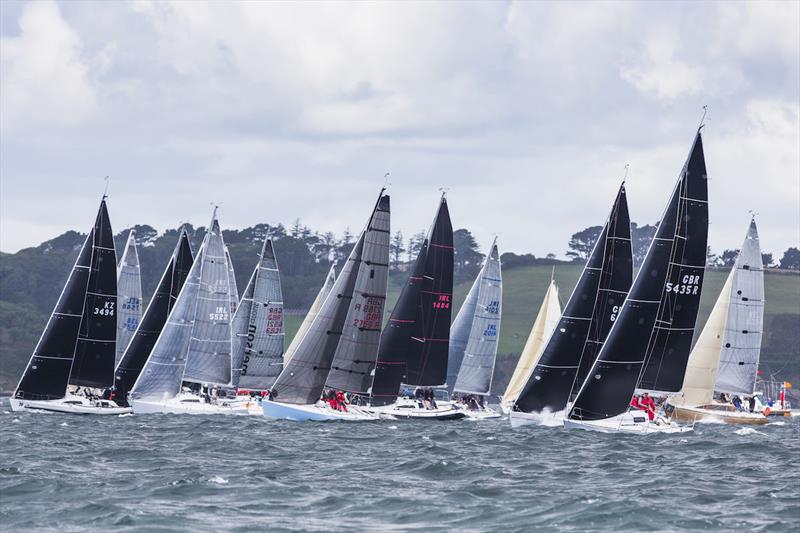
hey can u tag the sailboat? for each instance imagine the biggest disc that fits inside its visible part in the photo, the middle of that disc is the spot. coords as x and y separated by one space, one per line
311 315
257 329
153 320
339 348
648 346
582 329
129 295
234 291
473 339
78 344
543 326
725 357
195 344
414 346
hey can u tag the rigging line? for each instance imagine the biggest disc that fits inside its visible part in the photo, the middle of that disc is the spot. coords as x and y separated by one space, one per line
702 120
107 179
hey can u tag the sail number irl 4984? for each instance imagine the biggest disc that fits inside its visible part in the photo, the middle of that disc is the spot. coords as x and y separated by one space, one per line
690 284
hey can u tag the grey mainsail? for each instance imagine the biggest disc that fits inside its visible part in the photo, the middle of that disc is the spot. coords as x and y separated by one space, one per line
129 295
311 315
478 357
232 282
209 355
741 345
162 374
354 360
258 326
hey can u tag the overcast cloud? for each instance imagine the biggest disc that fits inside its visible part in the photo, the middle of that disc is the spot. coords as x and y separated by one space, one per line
526 111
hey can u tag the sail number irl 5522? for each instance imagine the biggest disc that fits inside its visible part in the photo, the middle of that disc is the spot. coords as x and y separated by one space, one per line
690 284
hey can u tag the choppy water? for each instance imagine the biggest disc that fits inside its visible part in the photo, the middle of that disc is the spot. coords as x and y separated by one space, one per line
181 473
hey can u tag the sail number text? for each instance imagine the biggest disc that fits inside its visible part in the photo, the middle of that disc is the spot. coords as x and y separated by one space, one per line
690 284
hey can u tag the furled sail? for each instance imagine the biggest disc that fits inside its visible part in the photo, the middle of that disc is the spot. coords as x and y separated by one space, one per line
587 318
414 345
154 318
48 371
232 282
129 295
258 326
209 357
303 378
311 315
354 360
741 347
543 326
648 345
478 358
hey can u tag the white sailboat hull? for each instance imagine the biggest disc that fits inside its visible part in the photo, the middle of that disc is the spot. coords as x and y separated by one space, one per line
71 404
484 413
188 404
520 419
629 422
319 412
407 408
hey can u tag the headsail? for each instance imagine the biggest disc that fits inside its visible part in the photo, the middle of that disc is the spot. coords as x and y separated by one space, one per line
648 345
543 326
234 290
258 326
155 316
413 347
48 371
354 361
741 348
311 315
129 295
588 316
478 358
304 376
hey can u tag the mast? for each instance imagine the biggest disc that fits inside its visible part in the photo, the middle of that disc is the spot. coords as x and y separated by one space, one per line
154 318
258 326
414 345
312 313
48 370
208 360
354 360
648 345
741 348
587 318
477 367
129 295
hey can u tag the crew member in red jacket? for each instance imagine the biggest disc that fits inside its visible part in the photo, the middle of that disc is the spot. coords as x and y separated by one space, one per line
648 405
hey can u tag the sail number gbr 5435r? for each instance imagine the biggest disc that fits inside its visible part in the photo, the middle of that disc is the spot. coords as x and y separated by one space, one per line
690 284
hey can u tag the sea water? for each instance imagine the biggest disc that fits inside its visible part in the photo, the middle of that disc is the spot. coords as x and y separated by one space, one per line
218 473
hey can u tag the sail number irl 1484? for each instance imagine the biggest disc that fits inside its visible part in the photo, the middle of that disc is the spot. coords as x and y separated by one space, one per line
690 284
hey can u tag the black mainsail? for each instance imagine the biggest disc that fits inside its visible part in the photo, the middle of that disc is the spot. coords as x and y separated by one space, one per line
414 345
153 320
648 346
587 318
78 343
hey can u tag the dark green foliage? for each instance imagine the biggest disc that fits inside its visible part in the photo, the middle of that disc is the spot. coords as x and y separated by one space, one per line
467 259
791 259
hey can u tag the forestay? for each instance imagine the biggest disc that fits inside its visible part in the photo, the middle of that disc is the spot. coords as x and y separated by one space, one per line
129 295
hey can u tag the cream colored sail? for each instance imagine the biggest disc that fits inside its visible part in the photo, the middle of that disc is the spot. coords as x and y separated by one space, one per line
701 369
545 323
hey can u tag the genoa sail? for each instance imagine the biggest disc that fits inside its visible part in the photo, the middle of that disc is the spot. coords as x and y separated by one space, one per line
543 326
587 318
741 348
648 345
414 346
208 360
48 371
354 360
129 295
258 326
312 314
154 318
478 357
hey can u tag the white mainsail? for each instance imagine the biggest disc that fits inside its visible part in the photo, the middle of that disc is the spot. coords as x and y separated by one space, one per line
311 315
741 348
480 352
129 295
543 327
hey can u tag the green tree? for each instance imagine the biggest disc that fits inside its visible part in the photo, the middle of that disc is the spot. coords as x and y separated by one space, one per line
467 259
791 259
396 249
728 258
581 243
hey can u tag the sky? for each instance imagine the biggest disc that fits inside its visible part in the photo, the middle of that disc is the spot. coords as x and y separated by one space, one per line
526 113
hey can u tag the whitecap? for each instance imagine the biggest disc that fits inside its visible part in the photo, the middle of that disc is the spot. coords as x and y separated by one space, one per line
125 414
64 424
491 438
218 480
425 437
747 431
392 427
444 463
778 423
15 420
